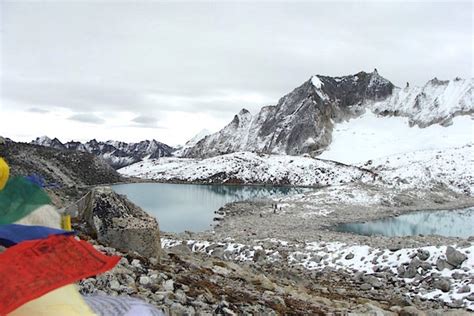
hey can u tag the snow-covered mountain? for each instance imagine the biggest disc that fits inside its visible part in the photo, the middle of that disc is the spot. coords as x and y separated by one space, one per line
117 154
249 168
192 142
437 102
304 120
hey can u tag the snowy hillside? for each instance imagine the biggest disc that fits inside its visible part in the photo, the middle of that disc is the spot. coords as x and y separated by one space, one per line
192 142
245 167
370 137
452 168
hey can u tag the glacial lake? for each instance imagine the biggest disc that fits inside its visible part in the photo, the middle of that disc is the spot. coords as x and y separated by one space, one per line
453 223
180 207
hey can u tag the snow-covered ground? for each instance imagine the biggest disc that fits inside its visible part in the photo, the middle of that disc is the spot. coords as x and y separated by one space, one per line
451 167
371 136
248 167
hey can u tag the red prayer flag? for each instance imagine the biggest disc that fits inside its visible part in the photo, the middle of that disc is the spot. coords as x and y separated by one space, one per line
33 268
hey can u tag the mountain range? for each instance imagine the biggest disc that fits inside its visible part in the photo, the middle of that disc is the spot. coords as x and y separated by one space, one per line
115 153
303 120
326 117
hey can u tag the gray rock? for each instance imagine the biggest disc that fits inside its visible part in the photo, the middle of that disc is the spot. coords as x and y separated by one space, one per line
144 280
118 223
464 289
410 272
454 257
470 297
426 266
442 264
349 256
259 255
411 311
423 255
114 285
394 247
442 284
168 285
365 287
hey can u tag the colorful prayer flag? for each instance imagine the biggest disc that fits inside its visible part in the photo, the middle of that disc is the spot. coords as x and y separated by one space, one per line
33 268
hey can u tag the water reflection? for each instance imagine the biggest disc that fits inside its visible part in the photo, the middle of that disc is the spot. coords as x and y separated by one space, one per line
181 207
455 223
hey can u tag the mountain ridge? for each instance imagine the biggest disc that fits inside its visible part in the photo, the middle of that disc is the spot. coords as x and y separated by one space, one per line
116 153
303 120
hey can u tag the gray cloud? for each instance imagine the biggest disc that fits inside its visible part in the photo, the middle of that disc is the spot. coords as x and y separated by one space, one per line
87 118
144 121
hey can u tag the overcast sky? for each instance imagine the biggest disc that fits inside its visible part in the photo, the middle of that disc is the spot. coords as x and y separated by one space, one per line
141 70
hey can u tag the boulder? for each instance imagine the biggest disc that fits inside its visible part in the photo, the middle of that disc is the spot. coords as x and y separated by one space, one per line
442 284
423 255
454 257
442 264
116 222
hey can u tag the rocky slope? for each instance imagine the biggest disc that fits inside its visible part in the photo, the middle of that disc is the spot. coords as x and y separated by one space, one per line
303 120
117 154
65 170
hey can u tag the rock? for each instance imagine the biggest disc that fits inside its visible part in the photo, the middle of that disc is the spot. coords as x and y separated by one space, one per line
470 297
394 247
168 285
264 282
316 258
118 223
259 255
114 285
454 257
423 255
349 256
442 264
365 287
411 311
426 266
457 275
442 284
177 309
464 289
144 280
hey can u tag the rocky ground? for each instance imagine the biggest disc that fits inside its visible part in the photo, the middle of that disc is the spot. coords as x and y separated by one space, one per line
256 261
187 283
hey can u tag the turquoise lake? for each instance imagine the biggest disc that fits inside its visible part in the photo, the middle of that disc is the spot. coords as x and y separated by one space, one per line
453 223
180 207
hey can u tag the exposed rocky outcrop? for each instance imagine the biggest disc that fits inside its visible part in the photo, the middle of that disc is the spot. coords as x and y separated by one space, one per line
116 222
115 153
62 168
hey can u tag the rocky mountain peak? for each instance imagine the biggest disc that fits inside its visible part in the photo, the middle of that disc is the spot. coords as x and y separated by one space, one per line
303 120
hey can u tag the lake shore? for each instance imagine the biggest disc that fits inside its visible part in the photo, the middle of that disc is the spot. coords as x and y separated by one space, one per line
300 236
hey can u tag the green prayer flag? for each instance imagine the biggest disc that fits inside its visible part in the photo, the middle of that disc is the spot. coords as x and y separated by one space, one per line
19 198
